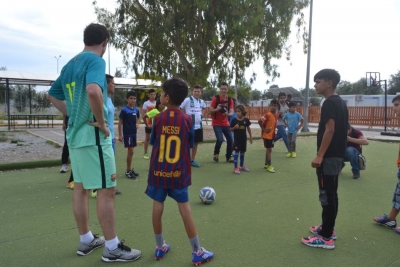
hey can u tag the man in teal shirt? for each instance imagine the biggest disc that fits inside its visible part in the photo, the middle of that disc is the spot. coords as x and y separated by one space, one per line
80 93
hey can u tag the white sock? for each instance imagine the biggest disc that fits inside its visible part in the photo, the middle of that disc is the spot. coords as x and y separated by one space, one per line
112 244
87 238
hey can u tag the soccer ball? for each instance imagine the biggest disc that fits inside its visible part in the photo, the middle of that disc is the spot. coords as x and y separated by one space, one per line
207 195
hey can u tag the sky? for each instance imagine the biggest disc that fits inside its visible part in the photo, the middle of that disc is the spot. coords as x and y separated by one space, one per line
351 36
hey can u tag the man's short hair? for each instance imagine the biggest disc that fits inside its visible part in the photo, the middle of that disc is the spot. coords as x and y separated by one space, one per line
95 34
289 95
176 89
281 94
396 98
224 83
151 91
130 93
109 78
291 104
197 86
328 75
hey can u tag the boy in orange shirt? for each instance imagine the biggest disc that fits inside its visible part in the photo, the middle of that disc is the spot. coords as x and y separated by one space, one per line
268 125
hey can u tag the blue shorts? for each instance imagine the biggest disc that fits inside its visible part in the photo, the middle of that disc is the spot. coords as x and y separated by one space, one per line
130 141
160 194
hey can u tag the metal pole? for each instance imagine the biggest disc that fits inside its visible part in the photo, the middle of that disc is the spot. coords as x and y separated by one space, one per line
8 103
385 105
305 126
57 58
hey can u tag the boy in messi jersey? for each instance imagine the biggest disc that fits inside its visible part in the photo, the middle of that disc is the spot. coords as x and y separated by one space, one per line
80 92
170 167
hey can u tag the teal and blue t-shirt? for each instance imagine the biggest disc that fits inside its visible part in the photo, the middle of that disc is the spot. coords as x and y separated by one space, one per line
292 120
82 70
110 116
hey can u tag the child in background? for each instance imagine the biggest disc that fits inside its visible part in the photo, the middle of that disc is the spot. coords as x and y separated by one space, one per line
390 220
268 126
152 113
238 127
291 121
172 137
129 123
148 106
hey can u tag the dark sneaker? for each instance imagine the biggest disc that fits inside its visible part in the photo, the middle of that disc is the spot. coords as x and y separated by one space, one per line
384 220
316 229
202 256
121 253
85 249
356 175
135 173
160 252
318 242
130 175
118 192
216 158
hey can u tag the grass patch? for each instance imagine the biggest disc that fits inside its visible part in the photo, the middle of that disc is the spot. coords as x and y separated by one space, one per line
3 137
29 165
56 145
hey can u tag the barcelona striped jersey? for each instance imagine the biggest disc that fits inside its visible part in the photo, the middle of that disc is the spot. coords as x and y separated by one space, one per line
172 137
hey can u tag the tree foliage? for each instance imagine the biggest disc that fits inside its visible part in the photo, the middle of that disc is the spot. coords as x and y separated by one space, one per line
394 83
196 39
255 94
357 88
311 92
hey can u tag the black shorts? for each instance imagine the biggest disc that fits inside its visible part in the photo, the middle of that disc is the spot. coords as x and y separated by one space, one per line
130 141
240 146
147 130
198 135
268 143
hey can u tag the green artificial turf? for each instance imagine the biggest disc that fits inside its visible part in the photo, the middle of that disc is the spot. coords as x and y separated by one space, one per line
258 218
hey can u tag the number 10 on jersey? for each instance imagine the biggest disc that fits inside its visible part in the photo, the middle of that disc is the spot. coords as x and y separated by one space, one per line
166 145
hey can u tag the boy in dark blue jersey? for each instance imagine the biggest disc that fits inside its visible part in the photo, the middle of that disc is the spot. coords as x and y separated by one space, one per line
170 167
129 123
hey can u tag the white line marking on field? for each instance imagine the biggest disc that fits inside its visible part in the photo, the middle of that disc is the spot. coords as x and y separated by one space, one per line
57 133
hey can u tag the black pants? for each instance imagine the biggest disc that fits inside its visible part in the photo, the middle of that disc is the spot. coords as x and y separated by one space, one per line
328 180
65 152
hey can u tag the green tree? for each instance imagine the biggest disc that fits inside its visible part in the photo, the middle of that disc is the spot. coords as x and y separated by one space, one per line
357 88
311 92
2 89
208 93
195 38
243 91
255 94
21 97
344 88
41 100
394 83
267 95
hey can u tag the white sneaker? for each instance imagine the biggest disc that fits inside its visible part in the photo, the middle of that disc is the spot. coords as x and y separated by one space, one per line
64 168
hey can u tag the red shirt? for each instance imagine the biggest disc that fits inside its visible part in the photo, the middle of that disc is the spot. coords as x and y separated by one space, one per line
217 118
354 133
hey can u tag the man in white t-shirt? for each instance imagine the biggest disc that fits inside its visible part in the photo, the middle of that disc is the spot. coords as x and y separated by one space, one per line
194 106
147 106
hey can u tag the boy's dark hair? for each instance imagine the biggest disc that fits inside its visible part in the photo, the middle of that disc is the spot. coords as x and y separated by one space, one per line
130 93
328 75
109 78
177 90
95 34
291 104
281 94
224 83
242 109
289 95
396 98
276 102
158 102
197 86
151 91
